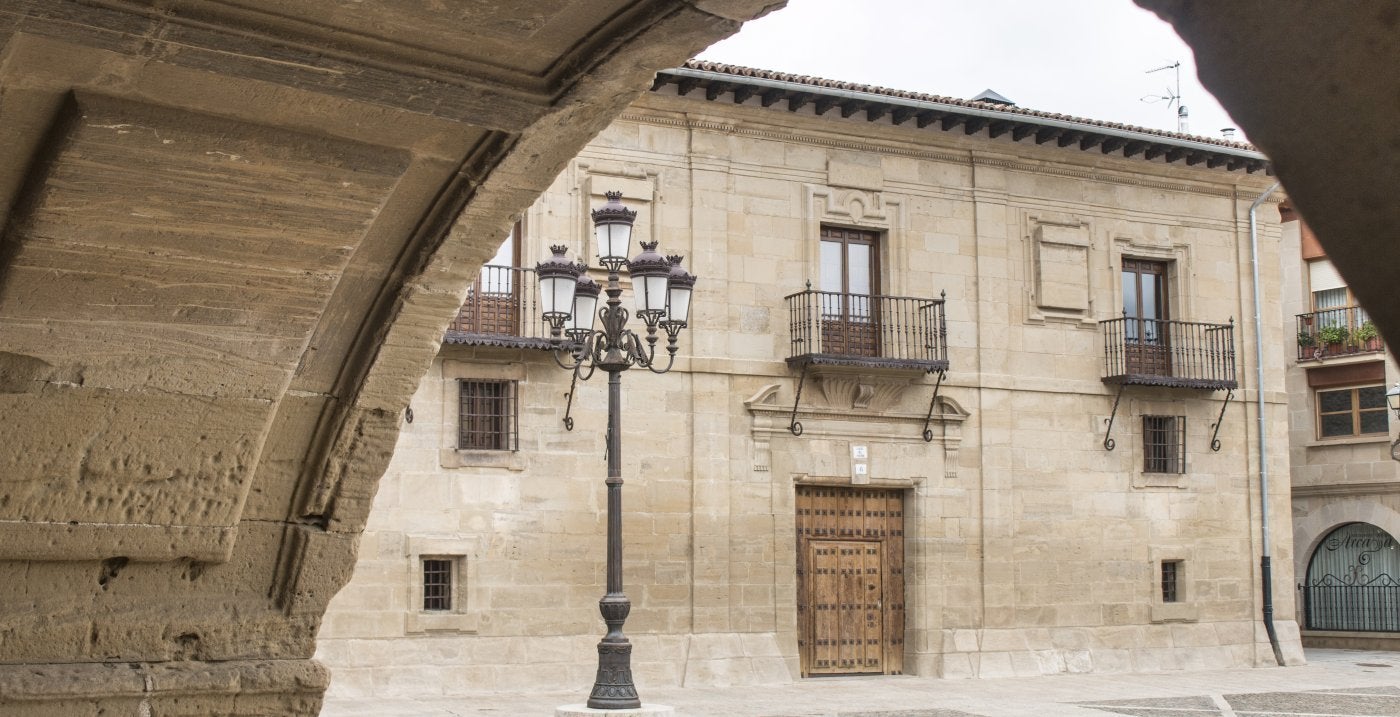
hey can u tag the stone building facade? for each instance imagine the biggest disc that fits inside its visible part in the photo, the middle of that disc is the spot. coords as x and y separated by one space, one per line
1346 481
1012 342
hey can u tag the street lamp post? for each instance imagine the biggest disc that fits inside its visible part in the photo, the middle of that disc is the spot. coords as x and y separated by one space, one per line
570 299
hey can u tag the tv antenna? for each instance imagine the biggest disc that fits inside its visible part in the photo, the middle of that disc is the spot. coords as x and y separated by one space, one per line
1172 96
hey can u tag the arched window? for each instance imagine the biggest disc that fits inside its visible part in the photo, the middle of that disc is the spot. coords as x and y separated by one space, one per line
1353 581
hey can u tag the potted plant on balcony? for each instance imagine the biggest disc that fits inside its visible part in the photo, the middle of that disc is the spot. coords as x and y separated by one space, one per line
1306 339
1366 333
1333 335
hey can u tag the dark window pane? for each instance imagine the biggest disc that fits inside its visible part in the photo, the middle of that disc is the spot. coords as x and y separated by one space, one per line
437 584
487 414
1170 577
1330 401
1371 397
1338 424
1375 421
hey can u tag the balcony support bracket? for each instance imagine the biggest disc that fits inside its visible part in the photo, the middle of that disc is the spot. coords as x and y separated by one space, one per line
796 426
1215 437
1108 442
928 433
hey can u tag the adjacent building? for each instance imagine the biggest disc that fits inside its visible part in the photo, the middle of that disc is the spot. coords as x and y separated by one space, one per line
1346 481
967 391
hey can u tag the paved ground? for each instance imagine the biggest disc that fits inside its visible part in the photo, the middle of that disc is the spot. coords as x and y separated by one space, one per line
1335 683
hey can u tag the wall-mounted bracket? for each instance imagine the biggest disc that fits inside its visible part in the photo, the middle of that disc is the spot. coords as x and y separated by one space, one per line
1108 443
569 407
1215 437
928 432
796 426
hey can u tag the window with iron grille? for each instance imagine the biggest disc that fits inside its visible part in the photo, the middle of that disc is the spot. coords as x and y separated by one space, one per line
437 584
1164 444
487 416
1171 581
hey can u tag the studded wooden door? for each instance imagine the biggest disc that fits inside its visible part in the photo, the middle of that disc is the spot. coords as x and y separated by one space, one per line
850 570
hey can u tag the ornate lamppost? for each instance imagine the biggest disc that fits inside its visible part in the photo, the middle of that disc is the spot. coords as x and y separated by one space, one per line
570 301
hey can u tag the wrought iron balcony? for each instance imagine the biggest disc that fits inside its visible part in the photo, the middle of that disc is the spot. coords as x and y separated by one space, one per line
1336 332
873 331
1180 354
500 311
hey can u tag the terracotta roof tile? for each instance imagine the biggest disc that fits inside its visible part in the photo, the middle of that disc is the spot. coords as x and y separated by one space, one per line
740 71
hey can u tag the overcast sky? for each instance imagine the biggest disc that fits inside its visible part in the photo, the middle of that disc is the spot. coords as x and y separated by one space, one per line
1087 58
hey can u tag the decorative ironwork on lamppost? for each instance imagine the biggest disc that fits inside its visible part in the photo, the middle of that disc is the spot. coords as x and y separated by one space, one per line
570 300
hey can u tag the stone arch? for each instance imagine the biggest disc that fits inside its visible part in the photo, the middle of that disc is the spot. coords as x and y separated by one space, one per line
1310 530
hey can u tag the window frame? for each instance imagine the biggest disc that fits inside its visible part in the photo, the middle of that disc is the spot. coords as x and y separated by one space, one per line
501 410
437 596
1171 581
1355 410
1171 460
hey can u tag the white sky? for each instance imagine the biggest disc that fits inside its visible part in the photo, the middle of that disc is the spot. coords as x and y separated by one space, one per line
1086 58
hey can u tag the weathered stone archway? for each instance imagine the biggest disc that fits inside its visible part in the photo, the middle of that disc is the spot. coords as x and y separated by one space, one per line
233 236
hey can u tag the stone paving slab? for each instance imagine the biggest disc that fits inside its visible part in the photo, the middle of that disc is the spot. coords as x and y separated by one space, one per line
1335 683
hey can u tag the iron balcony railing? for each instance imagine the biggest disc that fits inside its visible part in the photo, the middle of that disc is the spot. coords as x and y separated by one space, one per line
1336 332
1155 352
858 329
501 310
1371 605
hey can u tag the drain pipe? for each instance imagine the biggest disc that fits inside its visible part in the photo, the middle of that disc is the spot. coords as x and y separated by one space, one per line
1266 568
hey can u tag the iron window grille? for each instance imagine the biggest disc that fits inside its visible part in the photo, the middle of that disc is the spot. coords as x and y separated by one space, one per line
1352 412
437 584
1164 444
488 416
1171 581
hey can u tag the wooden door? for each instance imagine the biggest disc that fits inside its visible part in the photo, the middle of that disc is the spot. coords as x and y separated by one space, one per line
1147 331
849 281
850 566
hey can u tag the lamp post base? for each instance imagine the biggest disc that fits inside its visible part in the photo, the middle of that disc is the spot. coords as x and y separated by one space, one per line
586 711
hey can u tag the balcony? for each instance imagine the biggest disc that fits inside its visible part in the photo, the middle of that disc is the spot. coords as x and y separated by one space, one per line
898 332
1178 354
1336 332
500 310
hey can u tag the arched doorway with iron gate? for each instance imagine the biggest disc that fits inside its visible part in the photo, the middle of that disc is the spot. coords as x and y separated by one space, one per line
1353 581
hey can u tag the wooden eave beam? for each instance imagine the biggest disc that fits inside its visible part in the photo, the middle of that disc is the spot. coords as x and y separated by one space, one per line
875 112
1195 158
850 108
685 85
997 129
1090 141
1022 130
715 89
770 97
1175 154
900 115
1215 160
823 105
974 124
1045 134
1112 144
1235 164
798 100
1154 151
1069 138
660 81
951 121
742 93
1134 148
927 118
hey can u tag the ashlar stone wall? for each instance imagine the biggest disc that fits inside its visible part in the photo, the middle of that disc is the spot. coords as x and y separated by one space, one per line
1029 548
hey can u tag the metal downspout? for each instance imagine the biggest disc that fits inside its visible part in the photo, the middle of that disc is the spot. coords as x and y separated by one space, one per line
1265 559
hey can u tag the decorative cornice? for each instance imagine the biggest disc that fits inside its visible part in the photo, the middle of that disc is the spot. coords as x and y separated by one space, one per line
964 158
1340 489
